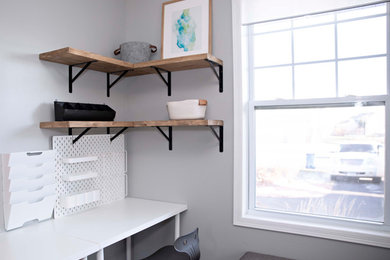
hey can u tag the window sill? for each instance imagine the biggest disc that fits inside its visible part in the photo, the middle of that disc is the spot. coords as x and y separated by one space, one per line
317 227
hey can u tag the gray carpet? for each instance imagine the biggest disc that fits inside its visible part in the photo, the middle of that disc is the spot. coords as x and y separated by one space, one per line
257 256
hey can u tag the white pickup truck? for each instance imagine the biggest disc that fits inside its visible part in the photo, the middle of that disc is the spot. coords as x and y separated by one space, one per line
360 162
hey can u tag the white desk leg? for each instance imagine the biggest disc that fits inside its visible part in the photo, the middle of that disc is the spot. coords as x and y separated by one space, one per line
128 248
177 226
100 255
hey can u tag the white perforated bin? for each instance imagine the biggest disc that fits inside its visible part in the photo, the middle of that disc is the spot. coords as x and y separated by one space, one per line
28 187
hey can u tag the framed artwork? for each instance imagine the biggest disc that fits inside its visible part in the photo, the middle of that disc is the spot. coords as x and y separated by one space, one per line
186 28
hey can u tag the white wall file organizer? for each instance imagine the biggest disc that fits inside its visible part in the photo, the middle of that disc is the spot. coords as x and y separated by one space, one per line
16 215
28 171
30 184
82 174
30 196
28 187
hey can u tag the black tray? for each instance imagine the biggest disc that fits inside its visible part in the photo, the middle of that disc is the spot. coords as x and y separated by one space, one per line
66 111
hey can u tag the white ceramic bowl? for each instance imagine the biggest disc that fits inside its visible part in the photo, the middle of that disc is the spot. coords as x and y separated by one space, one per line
187 109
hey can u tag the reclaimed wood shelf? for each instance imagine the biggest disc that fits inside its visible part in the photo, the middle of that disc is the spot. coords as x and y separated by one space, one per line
135 124
113 124
74 57
88 60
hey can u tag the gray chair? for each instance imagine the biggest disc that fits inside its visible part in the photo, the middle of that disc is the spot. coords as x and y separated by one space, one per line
184 248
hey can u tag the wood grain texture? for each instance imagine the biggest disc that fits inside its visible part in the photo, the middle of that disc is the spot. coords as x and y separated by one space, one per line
197 61
85 124
202 102
71 56
178 123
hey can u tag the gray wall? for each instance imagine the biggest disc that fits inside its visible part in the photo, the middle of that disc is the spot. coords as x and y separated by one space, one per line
29 86
194 172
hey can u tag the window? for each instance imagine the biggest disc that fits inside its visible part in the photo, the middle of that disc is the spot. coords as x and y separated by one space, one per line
315 125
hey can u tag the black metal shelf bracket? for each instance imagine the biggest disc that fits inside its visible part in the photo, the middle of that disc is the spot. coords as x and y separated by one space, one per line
168 137
80 135
110 85
166 81
219 137
117 134
72 79
218 75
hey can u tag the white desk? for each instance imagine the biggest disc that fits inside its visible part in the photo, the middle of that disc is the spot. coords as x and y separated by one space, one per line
40 241
77 236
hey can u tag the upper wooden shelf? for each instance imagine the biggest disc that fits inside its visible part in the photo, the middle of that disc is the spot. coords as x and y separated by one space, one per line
162 123
71 56
75 57
175 64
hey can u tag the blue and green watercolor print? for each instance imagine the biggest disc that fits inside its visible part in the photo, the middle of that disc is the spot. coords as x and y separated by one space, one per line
185 31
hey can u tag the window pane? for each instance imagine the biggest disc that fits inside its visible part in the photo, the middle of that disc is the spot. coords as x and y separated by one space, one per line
313 20
273 83
362 77
272 49
315 80
321 161
315 43
363 37
361 12
272 26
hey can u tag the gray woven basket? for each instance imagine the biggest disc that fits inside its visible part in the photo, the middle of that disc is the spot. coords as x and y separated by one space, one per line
135 52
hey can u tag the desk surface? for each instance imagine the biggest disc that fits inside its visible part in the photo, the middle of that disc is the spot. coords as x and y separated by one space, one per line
40 241
76 236
116 221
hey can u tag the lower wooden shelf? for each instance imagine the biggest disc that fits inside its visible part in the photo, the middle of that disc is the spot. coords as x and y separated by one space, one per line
111 124
135 124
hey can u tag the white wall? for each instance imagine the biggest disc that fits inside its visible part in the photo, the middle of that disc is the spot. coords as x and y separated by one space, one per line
29 86
195 172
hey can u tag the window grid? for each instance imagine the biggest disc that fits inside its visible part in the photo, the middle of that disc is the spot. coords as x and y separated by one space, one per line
319 24
321 61
293 60
335 101
293 64
252 170
336 50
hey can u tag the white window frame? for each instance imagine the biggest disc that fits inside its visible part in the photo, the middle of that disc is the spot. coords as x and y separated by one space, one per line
362 232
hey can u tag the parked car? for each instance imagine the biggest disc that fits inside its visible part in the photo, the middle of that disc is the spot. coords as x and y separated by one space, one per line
358 162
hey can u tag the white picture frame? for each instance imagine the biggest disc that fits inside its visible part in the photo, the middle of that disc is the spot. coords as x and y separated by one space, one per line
186 28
